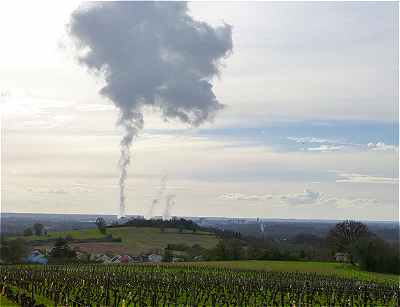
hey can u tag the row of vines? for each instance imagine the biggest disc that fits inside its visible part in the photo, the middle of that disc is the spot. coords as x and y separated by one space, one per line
149 285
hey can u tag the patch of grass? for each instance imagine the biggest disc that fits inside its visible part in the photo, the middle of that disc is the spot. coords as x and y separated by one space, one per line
91 233
323 268
6 302
136 240
140 239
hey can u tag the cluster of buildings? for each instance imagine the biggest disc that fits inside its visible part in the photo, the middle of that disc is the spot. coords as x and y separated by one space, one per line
117 259
37 257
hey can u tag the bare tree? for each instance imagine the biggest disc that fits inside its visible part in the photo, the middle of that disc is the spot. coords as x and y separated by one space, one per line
101 225
345 234
38 229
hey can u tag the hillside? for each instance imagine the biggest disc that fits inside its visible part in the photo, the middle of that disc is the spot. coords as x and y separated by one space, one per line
134 240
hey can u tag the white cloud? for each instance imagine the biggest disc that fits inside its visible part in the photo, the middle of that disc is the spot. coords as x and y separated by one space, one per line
239 196
310 140
63 190
325 148
336 145
307 197
359 178
381 146
350 203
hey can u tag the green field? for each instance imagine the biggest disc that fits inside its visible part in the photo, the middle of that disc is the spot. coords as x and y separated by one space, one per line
322 268
5 302
135 240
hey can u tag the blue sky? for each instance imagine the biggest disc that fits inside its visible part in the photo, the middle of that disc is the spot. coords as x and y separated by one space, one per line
309 128
277 133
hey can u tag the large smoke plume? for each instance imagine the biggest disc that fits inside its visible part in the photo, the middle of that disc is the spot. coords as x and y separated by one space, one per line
150 54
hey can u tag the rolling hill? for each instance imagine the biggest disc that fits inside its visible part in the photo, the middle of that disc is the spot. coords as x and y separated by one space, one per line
134 240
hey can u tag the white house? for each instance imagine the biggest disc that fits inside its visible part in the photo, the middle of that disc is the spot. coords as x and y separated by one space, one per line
103 258
154 258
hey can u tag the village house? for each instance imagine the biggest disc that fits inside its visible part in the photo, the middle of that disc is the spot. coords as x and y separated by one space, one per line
36 257
116 259
342 257
102 259
154 258
125 259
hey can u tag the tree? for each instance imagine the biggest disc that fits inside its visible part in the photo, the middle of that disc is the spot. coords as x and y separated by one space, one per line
219 252
101 225
168 256
375 255
38 229
344 235
28 232
61 249
13 251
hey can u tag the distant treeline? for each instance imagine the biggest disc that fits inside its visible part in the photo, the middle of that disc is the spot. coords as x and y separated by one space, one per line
181 224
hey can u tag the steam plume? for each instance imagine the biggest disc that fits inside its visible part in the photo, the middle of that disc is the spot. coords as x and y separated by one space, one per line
158 196
150 54
169 203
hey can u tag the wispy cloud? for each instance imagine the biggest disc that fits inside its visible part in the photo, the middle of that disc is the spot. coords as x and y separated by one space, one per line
325 148
381 146
337 145
350 203
310 140
59 190
240 196
360 178
307 197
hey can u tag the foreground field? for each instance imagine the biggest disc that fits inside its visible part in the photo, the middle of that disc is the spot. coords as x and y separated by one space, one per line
160 285
323 268
5 302
135 240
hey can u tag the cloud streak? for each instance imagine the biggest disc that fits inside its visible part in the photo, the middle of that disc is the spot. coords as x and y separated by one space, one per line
325 148
328 145
359 178
307 197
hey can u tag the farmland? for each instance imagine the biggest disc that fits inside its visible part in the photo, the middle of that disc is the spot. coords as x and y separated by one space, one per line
134 240
159 285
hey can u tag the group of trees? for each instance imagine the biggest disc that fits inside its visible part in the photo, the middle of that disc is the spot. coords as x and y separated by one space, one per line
241 249
13 251
181 224
364 248
61 251
38 229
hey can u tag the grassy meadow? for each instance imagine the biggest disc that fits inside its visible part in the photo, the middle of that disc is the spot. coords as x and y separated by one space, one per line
135 240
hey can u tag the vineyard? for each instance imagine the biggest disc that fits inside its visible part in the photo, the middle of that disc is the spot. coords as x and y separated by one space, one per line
150 285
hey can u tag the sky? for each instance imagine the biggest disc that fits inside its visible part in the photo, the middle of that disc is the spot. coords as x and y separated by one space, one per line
309 128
